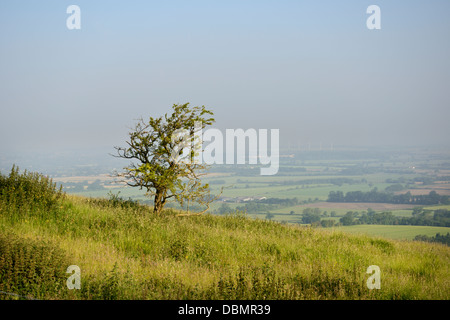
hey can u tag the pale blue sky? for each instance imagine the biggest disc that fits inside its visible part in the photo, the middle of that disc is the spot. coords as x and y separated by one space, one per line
309 68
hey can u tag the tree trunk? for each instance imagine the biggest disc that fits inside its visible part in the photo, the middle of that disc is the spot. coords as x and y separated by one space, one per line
159 202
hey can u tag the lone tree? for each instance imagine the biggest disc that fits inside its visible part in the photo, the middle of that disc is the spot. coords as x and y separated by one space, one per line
161 164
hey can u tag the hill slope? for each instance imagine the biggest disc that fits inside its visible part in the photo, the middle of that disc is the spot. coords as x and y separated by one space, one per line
124 252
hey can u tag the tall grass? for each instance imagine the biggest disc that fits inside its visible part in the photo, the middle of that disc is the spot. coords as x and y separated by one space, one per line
125 252
28 191
30 268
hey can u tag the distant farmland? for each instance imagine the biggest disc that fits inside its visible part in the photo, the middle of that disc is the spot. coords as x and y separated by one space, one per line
342 207
393 232
358 206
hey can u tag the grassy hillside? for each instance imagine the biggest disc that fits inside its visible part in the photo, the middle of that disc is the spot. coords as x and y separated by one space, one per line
125 252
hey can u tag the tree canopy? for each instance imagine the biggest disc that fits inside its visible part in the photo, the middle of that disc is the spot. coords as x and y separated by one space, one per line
160 163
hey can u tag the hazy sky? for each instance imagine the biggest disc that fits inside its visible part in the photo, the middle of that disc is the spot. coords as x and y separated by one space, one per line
309 68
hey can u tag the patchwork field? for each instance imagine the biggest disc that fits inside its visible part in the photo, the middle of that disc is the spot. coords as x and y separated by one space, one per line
308 177
394 232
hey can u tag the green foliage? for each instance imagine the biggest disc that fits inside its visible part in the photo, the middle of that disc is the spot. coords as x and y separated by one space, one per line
109 286
255 207
383 197
437 238
28 190
269 216
395 188
115 201
327 223
311 215
347 219
373 217
178 249
31 268
160 165
439 217
225 208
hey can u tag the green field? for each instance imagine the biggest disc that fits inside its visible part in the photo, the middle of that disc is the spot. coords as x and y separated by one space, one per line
269 186
305 192
398 232
446 207
394 232
272 187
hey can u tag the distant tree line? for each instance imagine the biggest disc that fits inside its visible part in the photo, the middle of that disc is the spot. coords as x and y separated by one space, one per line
256 207
436 218
250 207
286 169
335 181
358 170
246 171
424 179
383 197
262 206
287 202
445 239
314 216
394 188
265 205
